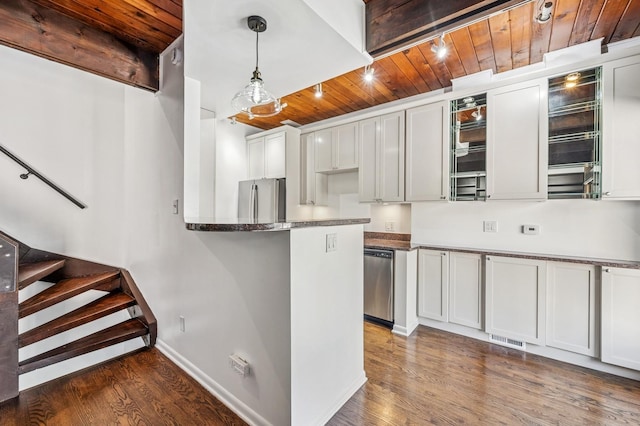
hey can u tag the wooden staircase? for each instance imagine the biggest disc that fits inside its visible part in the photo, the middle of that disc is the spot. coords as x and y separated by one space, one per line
72 277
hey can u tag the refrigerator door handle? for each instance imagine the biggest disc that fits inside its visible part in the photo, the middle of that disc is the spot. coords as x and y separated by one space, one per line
254 202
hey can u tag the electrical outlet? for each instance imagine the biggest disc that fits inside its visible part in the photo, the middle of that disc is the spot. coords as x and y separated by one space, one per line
176 206
390 226
490 226
531 229
332 242
182 324
239 365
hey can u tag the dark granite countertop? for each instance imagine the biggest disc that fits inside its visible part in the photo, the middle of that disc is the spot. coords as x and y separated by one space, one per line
388 241
611 263
239 225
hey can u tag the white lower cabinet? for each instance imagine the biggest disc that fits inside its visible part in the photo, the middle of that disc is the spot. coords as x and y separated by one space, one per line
465 289
620 340
571 307
450 287
515 298
433 284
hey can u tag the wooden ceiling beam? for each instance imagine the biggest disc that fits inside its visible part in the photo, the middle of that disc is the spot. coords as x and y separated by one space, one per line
52 35
393 24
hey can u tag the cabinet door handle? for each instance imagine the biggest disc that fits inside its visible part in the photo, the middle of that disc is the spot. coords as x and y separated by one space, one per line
443 197
443 253
489 196
607 270
606 194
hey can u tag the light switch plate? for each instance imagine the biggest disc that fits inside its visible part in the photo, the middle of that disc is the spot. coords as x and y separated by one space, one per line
332 242
490 226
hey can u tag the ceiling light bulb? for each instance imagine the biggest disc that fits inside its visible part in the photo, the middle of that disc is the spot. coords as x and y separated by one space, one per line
318 92
368 74
440 49
544 12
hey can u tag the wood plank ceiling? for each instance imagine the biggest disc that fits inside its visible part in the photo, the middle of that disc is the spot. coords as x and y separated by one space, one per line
121 39
503 42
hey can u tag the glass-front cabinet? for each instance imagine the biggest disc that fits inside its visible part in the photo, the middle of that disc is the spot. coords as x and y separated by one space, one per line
574 135
469 148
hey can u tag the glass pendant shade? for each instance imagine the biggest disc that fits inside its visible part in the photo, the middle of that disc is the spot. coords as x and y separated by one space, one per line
254 100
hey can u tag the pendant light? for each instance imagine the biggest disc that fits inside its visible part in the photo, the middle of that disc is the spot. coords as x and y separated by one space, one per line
254 100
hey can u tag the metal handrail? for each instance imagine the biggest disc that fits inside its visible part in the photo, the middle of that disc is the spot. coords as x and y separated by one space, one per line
34 172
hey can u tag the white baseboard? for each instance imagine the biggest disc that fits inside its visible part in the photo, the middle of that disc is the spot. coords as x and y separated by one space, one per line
237 406
357 384
405 331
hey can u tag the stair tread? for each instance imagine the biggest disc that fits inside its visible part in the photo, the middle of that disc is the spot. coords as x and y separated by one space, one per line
101 307
63 290
29 273
118 333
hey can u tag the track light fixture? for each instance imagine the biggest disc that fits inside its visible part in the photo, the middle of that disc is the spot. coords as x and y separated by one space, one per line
368 73
544 12
318 90
440 49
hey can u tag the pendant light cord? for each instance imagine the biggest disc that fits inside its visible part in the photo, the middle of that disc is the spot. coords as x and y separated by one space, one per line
257 34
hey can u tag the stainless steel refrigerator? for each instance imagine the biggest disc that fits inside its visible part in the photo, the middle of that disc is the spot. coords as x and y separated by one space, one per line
262 200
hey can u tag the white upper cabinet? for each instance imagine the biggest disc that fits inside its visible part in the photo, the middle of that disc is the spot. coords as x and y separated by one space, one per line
381 171
255 158
621 127
337 149
621 317
516 142
274 155
345 139
427 152
323 150
266 156
515 298
571 307
313 186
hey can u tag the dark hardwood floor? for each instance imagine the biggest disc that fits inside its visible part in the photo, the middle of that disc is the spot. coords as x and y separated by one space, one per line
434 377
431 377
144 388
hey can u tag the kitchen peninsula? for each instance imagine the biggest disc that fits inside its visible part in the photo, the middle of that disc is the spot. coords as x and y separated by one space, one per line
303 282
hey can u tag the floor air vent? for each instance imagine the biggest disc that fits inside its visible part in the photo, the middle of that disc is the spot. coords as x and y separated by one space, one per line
505 341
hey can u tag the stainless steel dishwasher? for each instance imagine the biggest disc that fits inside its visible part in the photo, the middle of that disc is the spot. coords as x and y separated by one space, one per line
378 286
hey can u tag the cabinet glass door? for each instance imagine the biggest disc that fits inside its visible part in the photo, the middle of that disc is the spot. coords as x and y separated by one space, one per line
574 135
469 148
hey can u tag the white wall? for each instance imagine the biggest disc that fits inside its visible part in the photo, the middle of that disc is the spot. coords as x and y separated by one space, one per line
343 202
327 361
231 165
604 229
114 148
